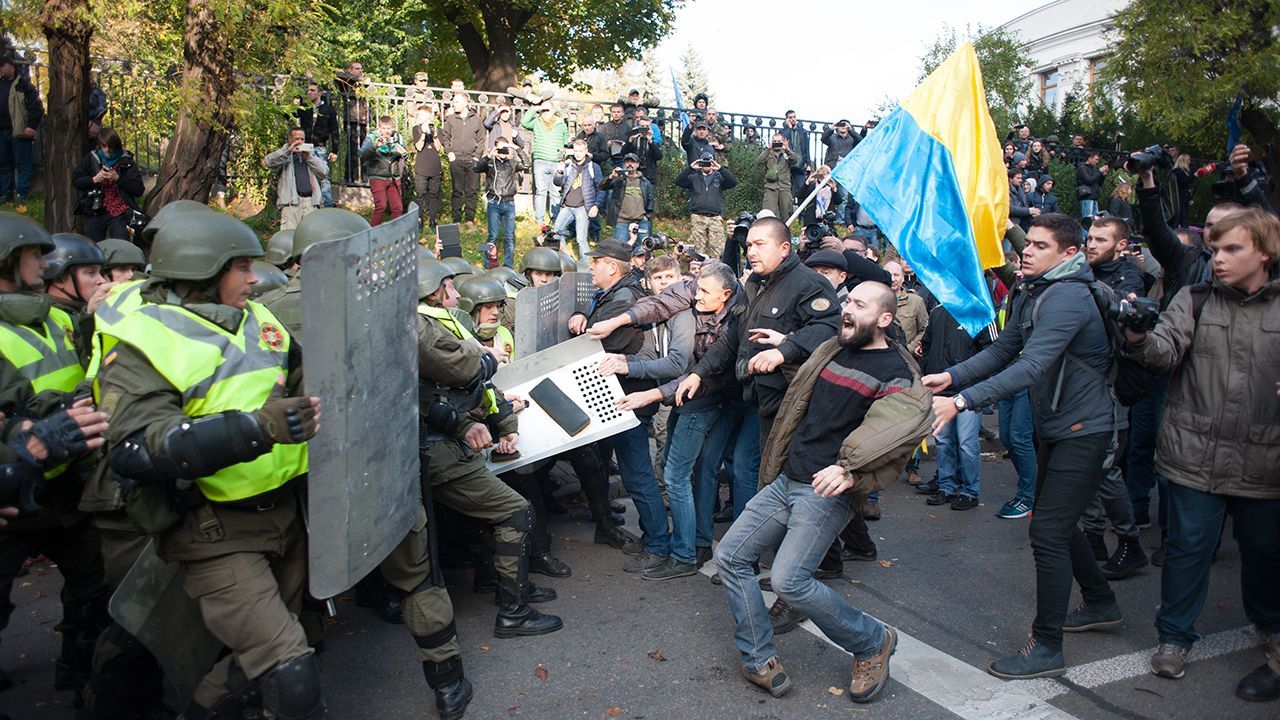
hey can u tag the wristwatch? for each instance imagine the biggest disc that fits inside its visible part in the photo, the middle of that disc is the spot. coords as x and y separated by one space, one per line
960 403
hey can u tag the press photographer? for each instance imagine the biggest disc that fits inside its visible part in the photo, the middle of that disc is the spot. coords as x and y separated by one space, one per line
705 182
631 198
1219 442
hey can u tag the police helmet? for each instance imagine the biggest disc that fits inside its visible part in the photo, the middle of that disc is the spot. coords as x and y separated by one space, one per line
280 249
431 274
199 247
460 267
326 224
70 250
170 211
478 290
542 258
19 231
270 278
508 276
121 253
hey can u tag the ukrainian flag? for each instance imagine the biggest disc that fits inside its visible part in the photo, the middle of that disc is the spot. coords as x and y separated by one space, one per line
932 177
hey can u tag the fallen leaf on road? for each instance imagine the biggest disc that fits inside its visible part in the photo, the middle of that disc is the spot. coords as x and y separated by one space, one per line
657 655
932 516
484 648
835 691
540 672
856 582
614 712
887 563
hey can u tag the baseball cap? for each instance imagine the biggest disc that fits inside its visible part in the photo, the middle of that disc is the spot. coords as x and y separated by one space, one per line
611 248
630 156
700 125
420 76
828 258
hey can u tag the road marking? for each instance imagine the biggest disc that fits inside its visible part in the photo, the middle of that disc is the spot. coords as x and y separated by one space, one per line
1138 664
955 685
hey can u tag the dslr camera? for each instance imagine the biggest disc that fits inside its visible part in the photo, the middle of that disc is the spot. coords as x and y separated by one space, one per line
1138 314
94 200
814 232
547 237
740 227
656 241
1152 157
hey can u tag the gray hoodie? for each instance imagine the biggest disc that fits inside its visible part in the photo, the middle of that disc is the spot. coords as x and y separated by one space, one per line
1068 399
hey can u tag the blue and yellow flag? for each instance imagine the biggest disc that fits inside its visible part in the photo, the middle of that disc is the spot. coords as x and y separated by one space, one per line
932 177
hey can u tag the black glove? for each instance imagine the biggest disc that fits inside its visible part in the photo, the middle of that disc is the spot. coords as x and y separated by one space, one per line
61 436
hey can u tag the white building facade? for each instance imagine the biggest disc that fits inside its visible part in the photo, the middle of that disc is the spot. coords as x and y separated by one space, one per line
1065 44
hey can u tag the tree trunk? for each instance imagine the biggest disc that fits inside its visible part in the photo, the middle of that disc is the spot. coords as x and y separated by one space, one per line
66 139
1266 142
495 66
194 156
503 68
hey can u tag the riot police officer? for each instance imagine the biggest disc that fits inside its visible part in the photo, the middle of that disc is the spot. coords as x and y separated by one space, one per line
514 283
319 225
460 419
124 260
202 387
280 250
72 277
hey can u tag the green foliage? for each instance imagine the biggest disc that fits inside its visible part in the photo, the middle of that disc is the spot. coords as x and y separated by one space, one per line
745 197
1004 66
1064 187
1182 64
692 77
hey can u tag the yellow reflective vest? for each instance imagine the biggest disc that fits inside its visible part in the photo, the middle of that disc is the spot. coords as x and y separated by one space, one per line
451 324
215 371
45 356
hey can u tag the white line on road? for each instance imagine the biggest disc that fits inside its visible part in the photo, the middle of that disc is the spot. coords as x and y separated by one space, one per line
953 684
1137 664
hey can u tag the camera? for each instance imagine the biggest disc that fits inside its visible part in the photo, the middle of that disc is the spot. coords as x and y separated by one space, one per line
740 227
503 151
1152 157
305 148
656 241
95 200
816 231
547 237
703 163
1138 314
776 145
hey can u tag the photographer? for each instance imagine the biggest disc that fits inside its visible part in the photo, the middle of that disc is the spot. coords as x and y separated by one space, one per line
300 173
696 141
550 133
502 167
645 142
463 136
705 183
427 171
1054 342
112 184
578 179
798 140
382 155
840 141
1217 439
631 198
1089 178
778 161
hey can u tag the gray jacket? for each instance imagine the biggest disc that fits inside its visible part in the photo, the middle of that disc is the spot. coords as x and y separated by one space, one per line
668 351
286 188
1220 432
1065 359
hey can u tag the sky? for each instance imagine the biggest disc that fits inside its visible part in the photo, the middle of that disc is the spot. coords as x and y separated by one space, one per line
826 60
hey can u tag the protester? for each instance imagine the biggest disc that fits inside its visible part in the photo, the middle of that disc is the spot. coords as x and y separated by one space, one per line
1089 184
631 199
300 173
501 167
778 161
463 137
550 133
427 171
578 178
705 182
319 121
20 116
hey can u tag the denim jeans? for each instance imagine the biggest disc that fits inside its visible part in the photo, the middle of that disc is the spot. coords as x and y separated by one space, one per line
1194 524
1144 427
801 524
544 189
1069 474
502 216
631 447
578 215
738 434
622 231
593 227
959 456
326 187
1017 435
1088 208
15 160
685 450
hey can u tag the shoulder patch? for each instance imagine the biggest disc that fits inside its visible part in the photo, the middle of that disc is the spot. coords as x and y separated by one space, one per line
272 336
820 304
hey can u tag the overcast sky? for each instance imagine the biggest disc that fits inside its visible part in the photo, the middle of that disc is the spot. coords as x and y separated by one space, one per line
825 60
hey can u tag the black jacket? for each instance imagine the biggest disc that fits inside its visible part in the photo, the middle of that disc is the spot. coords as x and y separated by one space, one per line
946 343
615 199
598 146
1182 265
628 340
649 152
837 147
706 190
502 177
31 98
1123 276
1089 178
794 300
130 183
1019 205
319 122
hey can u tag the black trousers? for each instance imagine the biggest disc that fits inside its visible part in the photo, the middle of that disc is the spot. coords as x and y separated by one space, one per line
466 183
102 226
1069 474
854 536
426 188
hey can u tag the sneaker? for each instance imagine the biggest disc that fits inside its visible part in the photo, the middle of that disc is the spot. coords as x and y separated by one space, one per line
642 562
940 498
770 677
1127 560
963 502
846 554
871 674
1015 509
929 488
1261 685
1092 617
1032 661
670 570
784 617
1169 661
1098 544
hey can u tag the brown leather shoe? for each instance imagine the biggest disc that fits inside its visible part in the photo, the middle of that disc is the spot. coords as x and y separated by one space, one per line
913 477
870 510
871 675
771 677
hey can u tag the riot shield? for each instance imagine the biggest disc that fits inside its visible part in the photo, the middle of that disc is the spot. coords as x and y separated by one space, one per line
542 313
361 359
571 368
152 605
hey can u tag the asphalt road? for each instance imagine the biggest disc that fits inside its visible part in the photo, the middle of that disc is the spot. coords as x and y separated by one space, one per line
958 585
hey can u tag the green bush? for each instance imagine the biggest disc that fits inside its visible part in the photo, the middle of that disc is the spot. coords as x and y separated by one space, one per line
1064 187
745 197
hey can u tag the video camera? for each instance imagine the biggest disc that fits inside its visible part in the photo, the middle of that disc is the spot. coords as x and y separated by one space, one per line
1225 188
1139 314
547 237
740 227
814 232
1152 157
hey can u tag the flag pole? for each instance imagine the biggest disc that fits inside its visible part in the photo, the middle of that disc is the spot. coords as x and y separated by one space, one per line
823 171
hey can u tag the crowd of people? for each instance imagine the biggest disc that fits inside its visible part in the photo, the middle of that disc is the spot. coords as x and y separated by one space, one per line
151 385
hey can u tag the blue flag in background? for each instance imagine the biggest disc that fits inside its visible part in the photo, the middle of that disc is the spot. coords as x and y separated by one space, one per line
684 116
1233 124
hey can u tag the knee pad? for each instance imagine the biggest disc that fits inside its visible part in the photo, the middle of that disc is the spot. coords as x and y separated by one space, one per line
521 521
291 690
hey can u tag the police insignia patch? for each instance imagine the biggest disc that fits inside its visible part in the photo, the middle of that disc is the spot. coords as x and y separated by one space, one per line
820 304
273 336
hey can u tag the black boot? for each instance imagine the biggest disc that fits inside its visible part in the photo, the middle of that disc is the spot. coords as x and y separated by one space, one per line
546 564
1127 560
1261 685
609 534
453 691
516 618
384 598
1098 544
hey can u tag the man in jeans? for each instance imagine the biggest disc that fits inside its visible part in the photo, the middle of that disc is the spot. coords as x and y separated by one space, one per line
550 133
851 417
1218 440
1055 344
20 116
617 291
578 179
501 167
